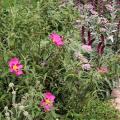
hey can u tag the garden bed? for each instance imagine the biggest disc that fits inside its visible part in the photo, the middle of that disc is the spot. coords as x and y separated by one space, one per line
59 60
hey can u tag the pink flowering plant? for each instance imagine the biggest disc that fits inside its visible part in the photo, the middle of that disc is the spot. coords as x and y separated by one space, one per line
59 60
57 39
15 66
48 101
87 48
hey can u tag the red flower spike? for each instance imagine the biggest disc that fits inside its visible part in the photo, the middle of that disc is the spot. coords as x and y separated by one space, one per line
102 38
89 38
101 50
98 47
92 41
83 35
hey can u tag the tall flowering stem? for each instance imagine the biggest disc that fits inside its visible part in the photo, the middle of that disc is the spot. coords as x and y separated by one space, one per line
89 38
102 38
83 35
101 45
101 7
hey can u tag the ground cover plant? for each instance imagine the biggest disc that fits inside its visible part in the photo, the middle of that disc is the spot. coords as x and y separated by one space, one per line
59 60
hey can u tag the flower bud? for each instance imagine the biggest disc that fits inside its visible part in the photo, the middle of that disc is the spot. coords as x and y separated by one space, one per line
7 118
7 114
21 107
6 108
11 85
15 105
13 92
25 113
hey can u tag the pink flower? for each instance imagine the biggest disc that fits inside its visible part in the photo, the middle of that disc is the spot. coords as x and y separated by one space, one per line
102 20
87 48
15 66
57 39
88 6
86 66
93 12
102 70
115 93
109 7
101 45
47 101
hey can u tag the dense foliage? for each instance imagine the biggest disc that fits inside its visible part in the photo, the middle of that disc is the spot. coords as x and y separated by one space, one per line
79 79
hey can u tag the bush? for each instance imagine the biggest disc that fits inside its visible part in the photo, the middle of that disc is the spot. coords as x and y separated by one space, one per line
25 28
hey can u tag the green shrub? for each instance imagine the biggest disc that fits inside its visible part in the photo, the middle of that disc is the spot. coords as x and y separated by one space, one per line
25 27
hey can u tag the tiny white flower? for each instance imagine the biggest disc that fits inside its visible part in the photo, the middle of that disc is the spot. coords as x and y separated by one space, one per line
111 38
7 114
21 107
7 118
6 108
11 85
13 92
25 113
15 105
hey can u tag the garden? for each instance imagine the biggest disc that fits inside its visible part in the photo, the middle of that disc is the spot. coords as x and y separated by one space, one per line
59 60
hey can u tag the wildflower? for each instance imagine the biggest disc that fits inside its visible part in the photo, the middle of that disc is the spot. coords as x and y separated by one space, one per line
87 45
14 92
7 114
25 113
80 57
103 30
6 108
93 12
115 93
83 35
21 107
101 45
57 39
111 38
89 38
86 66
47 101
11 85
102 70
88 6
15 66
87 48
109 7
102 20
